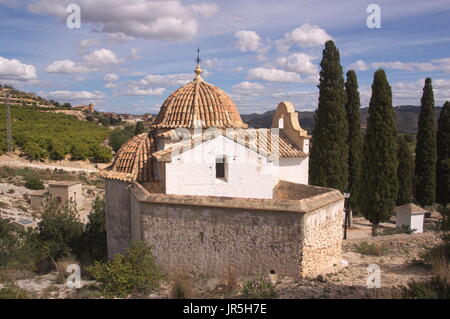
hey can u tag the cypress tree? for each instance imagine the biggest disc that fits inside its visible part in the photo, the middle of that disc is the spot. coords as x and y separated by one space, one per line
443 155
329 152
355 141
425 170
379 183
405 172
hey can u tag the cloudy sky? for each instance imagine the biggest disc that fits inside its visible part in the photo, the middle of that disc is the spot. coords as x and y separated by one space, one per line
128 56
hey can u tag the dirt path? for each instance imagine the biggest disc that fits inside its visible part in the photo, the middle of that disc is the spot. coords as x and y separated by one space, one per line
16 161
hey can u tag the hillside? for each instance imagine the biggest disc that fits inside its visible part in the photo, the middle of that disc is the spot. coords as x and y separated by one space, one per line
406 118
41 135
16 97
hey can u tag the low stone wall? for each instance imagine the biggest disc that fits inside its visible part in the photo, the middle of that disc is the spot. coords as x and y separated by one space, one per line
205 235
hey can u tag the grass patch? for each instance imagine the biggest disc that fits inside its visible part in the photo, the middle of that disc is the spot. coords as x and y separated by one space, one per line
259 288
373 249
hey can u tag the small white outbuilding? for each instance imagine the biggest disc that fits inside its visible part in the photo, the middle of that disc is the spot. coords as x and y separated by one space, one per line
410 215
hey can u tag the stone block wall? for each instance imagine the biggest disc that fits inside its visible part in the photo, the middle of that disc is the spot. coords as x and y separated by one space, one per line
205 235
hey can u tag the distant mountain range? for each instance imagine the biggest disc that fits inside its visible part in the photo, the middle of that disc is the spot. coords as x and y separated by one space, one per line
406 118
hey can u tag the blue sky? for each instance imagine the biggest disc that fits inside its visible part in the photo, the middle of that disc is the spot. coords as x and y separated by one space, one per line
128 56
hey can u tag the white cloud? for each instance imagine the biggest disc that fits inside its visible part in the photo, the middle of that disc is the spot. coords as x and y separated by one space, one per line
273 75
299 63
134 54
211 62
247 41
432 65
110 77
177 79
145 92
150 19
359 65
74 96
102 56
13 69
308 35
90 42
207 10
68 67
247 87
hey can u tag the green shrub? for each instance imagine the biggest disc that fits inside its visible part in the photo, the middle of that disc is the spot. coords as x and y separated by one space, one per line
374 249
134 272
8 242
182 287
259 288
119 136
404 229
80 152
34 183
101 154
13 293
94 236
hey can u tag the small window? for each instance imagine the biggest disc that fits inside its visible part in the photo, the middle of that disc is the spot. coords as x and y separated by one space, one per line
220 167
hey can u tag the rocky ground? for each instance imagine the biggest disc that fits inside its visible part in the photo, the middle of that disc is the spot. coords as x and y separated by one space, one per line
398 264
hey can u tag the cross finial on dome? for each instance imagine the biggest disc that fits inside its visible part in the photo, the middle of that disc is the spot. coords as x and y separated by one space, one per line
198 70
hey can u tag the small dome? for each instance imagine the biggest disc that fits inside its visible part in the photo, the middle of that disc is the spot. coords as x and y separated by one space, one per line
198 104
132 161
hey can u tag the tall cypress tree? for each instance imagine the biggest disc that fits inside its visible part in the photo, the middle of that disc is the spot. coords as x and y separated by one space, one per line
379 184
425 170
443 155
329 151
405 172
355 141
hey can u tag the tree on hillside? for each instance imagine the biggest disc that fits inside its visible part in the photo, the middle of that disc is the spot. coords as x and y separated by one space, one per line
405 172
425 169
443 156
139 128
355 141
379 183
329 152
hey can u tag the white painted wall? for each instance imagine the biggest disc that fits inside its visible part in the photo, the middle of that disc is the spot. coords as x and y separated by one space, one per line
294 170
413 221
249 174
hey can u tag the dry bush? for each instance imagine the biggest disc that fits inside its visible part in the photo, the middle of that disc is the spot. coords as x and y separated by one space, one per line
441 271
230 282
182 287
61 266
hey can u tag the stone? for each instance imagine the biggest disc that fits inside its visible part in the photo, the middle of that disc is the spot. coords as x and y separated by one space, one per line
154 296
321 278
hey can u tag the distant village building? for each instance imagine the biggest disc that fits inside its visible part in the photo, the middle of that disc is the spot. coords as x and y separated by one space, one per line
64 192
38 198
88 108
207 192
412 216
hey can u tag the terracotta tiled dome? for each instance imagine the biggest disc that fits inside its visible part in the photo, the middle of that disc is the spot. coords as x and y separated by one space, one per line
132 161
198 104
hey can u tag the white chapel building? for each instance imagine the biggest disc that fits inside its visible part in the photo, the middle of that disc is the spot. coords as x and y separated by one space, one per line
208 193
199 145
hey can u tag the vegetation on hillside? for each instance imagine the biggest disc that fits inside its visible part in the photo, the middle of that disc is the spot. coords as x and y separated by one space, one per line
42 135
